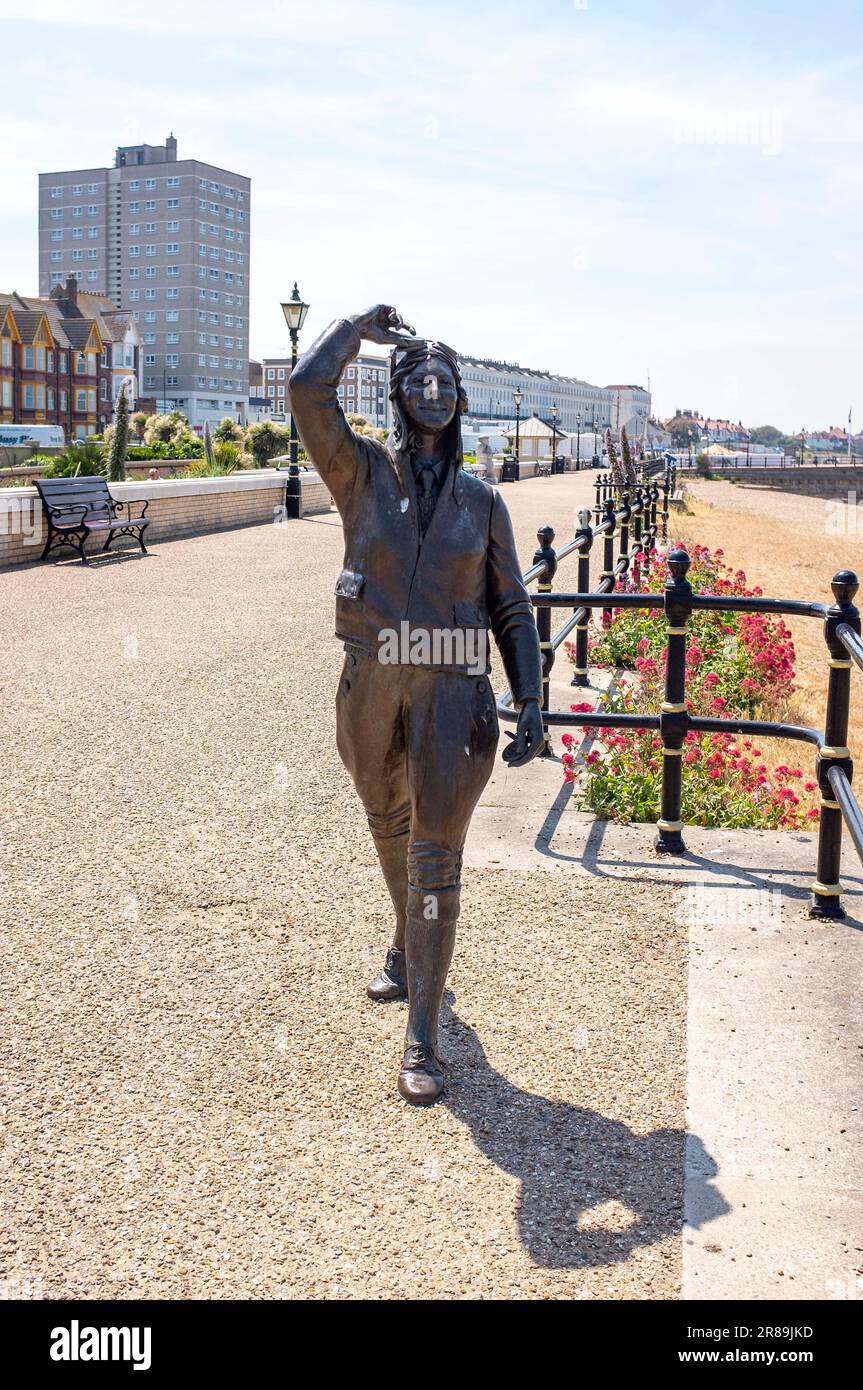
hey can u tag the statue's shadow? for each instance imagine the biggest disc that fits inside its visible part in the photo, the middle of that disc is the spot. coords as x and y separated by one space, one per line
592 1190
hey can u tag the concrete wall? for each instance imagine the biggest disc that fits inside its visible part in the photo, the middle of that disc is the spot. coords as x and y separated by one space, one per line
178 507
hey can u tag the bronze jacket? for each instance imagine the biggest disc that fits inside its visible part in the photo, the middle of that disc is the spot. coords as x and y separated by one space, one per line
464 573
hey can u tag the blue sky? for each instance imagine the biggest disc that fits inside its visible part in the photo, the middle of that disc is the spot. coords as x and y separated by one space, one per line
601 189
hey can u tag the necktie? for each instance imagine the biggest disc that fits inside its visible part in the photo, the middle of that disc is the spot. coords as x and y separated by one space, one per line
427 498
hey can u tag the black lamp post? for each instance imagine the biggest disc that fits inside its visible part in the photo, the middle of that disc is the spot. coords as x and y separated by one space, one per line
517 397
295 312
554 414
578 442
802 445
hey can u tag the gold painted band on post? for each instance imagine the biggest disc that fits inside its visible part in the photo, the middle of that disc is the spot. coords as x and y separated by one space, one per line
828 752
826 890
840 664
668 708
672 752
830 805
669 824
580 670
676 631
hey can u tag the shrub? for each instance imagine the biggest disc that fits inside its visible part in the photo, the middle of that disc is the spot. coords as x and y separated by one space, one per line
139 424
737 665
192 447
83 459
228 431
265 440
225 457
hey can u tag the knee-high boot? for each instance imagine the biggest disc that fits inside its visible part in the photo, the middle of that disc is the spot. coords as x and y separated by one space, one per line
391 835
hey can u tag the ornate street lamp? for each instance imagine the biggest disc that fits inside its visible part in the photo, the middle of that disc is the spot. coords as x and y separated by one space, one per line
295 312
554 414
518 398
578 442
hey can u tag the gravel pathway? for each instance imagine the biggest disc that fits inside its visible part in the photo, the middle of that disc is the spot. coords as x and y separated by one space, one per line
197 1099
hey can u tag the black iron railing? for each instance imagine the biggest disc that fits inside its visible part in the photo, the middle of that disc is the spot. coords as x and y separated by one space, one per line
635 518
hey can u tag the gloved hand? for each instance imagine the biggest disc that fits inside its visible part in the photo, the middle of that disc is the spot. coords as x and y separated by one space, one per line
529 739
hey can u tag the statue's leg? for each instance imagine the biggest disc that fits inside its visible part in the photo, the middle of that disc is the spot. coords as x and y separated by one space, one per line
452 734
370 738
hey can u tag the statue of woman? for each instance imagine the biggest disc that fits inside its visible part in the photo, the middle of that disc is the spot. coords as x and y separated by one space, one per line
430 564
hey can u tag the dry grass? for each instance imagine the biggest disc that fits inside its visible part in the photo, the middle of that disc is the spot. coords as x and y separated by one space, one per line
780 540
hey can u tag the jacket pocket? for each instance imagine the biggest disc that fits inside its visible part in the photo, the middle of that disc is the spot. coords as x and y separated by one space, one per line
349 584
470 615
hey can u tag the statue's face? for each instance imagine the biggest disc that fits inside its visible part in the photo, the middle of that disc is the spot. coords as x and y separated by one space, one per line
429 395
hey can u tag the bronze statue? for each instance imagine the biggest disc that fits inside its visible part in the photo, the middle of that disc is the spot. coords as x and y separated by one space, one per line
430 564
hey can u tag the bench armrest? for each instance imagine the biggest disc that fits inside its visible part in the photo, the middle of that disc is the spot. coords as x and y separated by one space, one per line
133 502
65 508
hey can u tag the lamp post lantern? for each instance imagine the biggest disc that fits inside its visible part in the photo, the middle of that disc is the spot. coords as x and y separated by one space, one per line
295 312
578 442
554 414
517 397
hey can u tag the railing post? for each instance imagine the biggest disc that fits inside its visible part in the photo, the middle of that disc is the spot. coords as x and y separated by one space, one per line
666 486
597 498
637 532
545 555
608 554
654 503
826 890
624 517
673 718
583 582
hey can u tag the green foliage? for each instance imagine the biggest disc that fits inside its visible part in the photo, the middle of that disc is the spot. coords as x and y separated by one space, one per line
224 457
265 440
139 424
737 665
680 429
83 459
766 434
116 463
702 466
192 447
228 431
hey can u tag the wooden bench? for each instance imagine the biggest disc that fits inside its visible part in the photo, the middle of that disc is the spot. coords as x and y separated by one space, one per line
543 468
76 508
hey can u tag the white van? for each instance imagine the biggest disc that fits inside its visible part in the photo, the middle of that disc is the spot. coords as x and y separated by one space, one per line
49 436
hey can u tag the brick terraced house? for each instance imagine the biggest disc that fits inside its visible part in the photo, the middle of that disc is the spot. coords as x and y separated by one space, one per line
64 359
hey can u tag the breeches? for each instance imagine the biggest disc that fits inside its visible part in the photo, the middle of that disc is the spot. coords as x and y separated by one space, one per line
419 746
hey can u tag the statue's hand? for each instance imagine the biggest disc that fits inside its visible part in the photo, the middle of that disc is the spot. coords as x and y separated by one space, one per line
529 739
384 324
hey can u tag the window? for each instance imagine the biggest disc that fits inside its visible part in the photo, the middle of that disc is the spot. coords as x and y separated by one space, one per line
134 273
173 248
172 226
214 207
149 359
64 363
150 381
103 389
81 400
57 236
214 340
149 338
77 233
56 255
281 373
134 250
229 235
135 184
93 253
133 228
92 210
174 182
229 192
173 203
202 204
229 276
149 183
172 316
214 274
172 337
214 253
150 293
214 361
202 248
281 390
76 187
229 212
214 318
27 359
171 380
173 270
199 381
214 188
134 207
202 361
134 295
56 192
50 398
172 294
149 228
56 212
150 316
214 230
92 233
29 398
50 360
171 359
92 188
150 250
150 205
77 255
64 399
229 256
